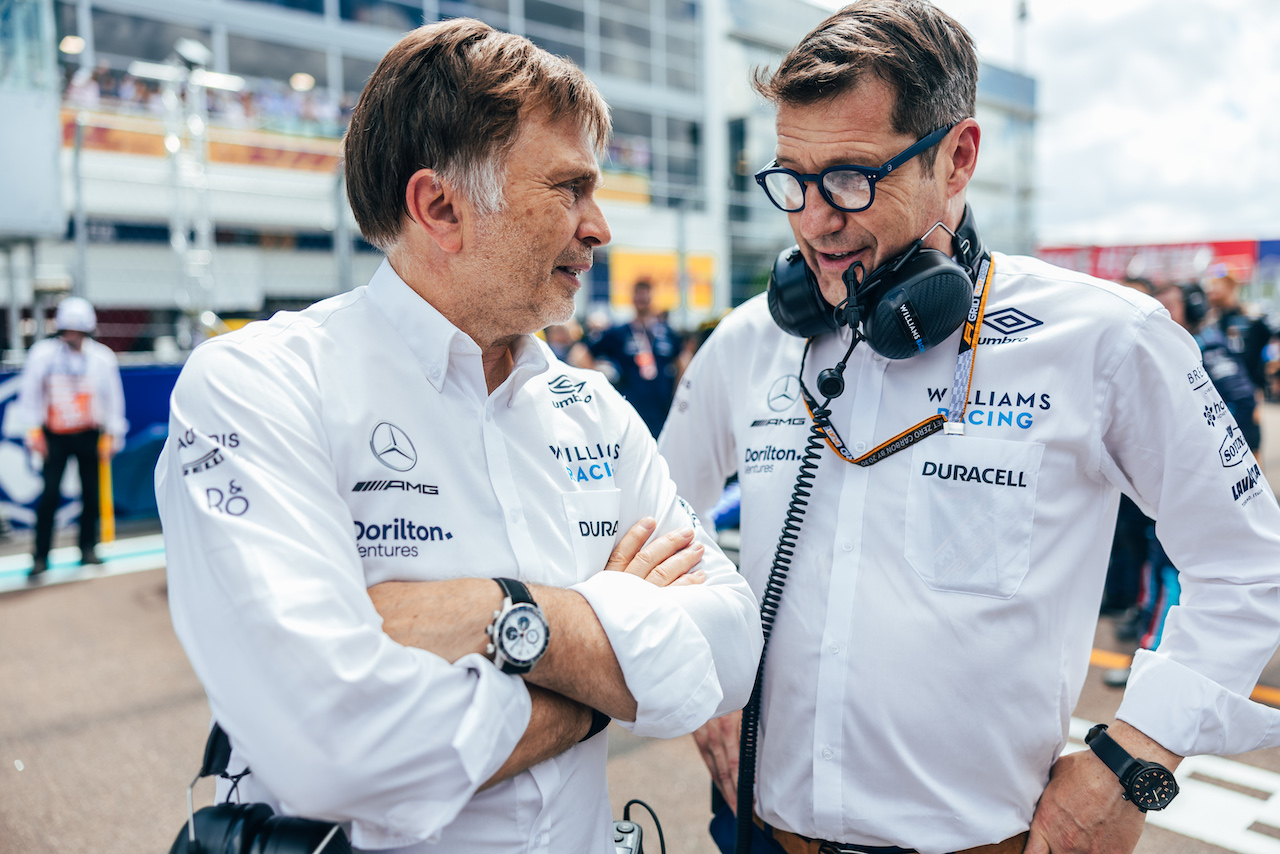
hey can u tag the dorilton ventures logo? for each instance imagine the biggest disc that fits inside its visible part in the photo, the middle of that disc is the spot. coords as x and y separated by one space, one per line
392 447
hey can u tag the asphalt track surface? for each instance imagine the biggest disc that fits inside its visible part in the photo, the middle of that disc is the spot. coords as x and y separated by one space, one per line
102 724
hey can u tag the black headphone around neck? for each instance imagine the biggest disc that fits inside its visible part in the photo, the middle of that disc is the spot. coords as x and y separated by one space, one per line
905 306
249 828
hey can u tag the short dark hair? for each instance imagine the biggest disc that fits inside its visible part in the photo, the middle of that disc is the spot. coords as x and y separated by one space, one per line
925 55
451 96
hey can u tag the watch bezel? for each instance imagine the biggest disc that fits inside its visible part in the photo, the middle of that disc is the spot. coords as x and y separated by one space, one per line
1144 784
517 610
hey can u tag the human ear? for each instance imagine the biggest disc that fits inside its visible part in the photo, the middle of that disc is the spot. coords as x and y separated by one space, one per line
433 207
961 155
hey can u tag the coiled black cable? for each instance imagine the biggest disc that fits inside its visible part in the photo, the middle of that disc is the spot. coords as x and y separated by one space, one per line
770 600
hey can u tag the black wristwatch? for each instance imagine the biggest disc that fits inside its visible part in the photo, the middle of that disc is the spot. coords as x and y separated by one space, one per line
1149 785
519 633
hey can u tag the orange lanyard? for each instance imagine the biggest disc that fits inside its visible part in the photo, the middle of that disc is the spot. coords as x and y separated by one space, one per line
953 422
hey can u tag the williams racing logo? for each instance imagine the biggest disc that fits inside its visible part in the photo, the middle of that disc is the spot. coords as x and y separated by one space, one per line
997 408
585 463
568 392
397 538
395 485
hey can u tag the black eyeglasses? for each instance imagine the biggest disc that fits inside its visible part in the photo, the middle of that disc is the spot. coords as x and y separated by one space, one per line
847 188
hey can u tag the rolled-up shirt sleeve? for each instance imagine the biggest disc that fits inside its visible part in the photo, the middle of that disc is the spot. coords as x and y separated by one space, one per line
688 653
1176 450
268 598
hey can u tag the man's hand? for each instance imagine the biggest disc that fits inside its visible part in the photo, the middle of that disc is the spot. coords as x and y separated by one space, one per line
1082 810
36 443
717 741
668 561
449 617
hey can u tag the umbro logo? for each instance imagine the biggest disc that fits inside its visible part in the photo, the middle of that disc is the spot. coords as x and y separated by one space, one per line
1011 321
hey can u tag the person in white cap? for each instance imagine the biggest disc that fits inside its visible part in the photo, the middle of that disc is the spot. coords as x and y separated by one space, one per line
72 402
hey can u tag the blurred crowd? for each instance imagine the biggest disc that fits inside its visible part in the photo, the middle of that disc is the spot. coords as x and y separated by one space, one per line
1240 351
643 357
262 105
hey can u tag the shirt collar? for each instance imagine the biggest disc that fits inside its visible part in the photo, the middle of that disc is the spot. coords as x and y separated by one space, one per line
432 337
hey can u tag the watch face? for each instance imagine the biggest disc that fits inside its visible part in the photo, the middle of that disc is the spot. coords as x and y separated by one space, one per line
522 634
1153 788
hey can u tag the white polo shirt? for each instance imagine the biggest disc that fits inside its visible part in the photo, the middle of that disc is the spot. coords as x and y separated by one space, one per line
319 453
936 626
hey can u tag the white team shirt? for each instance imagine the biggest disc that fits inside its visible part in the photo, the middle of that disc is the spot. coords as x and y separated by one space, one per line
935 629
319 453
83 384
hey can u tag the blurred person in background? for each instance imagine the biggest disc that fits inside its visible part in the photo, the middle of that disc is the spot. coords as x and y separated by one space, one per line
565 340
72 402
1244 335
1161 586
643 353
1227 341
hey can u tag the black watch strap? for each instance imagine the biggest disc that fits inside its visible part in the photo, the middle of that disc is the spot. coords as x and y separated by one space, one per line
599 720
1113 755
516 591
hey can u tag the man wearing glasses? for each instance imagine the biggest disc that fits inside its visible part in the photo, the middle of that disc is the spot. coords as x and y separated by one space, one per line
941 435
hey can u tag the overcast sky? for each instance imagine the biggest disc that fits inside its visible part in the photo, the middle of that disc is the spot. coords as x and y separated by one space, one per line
1159 120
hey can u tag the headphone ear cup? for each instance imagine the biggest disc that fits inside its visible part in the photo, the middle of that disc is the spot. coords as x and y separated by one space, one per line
290 835
795 299
917 306
223 829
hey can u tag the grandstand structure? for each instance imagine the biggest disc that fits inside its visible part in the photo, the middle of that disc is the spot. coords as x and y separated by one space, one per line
212 191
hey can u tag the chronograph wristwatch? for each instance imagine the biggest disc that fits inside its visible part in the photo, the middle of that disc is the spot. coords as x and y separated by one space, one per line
519 633
1149 785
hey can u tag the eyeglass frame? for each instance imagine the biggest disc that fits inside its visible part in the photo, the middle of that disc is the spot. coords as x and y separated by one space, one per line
871 173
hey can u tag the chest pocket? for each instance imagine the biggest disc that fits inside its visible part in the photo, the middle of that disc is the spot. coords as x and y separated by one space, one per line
970 505
593 527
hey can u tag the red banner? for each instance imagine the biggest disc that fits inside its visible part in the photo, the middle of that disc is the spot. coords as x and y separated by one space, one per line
1159 262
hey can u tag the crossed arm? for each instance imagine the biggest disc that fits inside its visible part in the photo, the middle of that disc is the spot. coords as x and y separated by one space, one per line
579 671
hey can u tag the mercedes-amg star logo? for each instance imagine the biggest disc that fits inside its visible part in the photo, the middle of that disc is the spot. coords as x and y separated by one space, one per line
784 393
392 447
